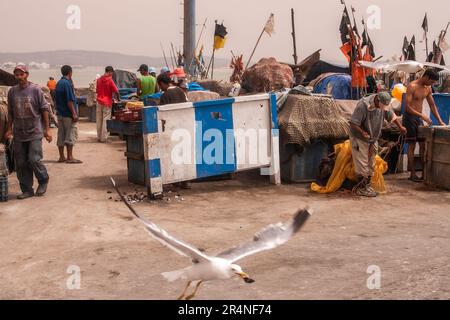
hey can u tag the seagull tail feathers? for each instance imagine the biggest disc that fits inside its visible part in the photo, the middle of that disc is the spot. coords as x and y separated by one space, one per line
173 275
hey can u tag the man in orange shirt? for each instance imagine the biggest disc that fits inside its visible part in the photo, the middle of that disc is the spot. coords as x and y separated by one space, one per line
106 89
51 85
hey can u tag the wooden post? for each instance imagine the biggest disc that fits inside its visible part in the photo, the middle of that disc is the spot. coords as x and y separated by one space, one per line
212 68
210 62
174 56
254 49
293 36
198 43
164 54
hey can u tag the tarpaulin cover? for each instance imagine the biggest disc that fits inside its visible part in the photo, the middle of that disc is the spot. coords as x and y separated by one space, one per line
308 118
345 170
340 86
322 67
125 79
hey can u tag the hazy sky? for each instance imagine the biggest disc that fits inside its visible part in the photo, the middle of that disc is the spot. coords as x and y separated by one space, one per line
138 26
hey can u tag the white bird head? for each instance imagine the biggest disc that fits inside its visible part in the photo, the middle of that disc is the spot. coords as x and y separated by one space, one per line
238 271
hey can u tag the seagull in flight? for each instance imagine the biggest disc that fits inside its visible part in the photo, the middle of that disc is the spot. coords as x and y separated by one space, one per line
408 66
222 266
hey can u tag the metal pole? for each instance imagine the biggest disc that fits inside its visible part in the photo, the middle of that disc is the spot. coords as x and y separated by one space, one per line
189 33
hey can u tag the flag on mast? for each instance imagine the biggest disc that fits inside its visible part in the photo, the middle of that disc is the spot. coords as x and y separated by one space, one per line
270 25
220 36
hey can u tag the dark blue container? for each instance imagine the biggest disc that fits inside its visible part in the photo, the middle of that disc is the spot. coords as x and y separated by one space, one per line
3 189
302 167
443 104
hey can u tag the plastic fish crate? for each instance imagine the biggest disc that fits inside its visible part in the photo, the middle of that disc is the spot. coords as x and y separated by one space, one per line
3 189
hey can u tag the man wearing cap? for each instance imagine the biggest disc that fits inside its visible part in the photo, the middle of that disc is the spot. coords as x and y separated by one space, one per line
28 123
146 84
152 71
178 77
165 70
365 130
106 89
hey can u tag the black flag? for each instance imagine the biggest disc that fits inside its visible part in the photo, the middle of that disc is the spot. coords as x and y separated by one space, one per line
425 23
368 42
355 26
405 48
412 49
344 27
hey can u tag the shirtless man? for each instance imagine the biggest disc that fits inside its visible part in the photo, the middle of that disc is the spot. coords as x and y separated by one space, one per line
413 118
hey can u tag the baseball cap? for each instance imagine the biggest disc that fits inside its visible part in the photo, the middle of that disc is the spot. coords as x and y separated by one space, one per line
165 69
152 70
22 68
384 98
143 67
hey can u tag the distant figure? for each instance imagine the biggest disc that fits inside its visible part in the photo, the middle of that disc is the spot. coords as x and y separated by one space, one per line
152 72
171 94
67 112
106 89
28 122
416 93
146 84
365 131
51 85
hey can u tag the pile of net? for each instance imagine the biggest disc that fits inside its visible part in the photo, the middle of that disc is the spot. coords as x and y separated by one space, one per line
308 118
267 75
344 170
220 87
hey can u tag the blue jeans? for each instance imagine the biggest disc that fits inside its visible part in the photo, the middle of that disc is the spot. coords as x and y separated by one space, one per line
28 157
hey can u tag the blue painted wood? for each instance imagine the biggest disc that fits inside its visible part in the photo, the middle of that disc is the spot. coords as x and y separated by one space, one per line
136 168
273 112
150 120
443 105
211 103
218 116
155 168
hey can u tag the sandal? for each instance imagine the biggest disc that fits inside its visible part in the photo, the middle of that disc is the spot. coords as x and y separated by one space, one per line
74 161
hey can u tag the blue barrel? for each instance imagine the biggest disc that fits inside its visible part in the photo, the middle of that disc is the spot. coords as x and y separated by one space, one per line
3 189
443 105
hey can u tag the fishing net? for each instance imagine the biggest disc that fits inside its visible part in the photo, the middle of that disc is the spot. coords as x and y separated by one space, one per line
308 118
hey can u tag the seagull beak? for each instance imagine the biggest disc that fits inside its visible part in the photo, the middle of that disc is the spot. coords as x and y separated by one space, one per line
246 277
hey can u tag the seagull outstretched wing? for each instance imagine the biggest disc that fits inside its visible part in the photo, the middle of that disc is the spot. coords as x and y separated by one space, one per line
267 239
405 66
434 65
179 246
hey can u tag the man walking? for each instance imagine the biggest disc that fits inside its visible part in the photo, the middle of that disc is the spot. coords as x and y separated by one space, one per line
106 88
28 123
67 111
413 118
365 130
